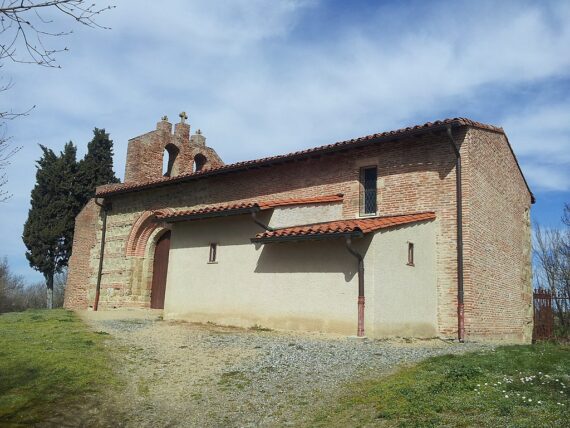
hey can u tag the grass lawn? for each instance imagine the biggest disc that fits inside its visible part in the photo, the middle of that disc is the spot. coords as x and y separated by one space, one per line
50 363
514 386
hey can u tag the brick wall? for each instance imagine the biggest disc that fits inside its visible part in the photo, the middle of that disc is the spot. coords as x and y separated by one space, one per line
83 258
498 299
145 152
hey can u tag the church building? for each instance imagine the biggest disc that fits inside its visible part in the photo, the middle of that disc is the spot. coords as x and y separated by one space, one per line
418 232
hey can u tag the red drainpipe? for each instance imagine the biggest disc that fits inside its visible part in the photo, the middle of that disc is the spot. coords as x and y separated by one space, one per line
459 204
106 207
361 300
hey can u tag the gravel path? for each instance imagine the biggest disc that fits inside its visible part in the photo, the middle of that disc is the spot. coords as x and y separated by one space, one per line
182 374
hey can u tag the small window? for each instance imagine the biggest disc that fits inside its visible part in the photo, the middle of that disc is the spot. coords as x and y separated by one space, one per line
368 190
213 253
410 254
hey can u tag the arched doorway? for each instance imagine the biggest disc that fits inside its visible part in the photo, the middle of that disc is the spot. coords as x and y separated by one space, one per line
159 271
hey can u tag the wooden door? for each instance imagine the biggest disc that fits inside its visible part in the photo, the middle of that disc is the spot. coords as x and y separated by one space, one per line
159 271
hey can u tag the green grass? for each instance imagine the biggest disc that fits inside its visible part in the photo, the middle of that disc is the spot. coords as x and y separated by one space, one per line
234 379
514 386
49 361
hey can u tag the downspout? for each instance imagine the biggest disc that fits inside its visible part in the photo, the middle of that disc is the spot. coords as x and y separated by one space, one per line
259 223
105 207
360 330
459 206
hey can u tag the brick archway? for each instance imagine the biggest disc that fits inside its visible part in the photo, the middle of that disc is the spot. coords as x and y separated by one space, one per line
142 230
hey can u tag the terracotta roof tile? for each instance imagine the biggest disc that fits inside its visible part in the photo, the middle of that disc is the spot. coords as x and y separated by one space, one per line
301 201
207 210
331 228
239 166
211 210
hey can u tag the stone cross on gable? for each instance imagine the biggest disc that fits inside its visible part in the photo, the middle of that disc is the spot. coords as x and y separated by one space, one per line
183 117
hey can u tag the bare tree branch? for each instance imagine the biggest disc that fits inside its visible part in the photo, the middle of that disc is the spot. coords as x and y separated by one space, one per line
23 24
551 251
25 29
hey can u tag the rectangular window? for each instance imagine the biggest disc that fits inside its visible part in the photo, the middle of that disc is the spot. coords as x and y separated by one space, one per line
368 190
410 254
213 253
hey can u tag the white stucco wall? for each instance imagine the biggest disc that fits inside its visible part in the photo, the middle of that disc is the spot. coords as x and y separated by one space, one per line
310 285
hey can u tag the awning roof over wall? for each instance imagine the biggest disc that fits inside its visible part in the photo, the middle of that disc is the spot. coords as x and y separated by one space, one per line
243 208
339 228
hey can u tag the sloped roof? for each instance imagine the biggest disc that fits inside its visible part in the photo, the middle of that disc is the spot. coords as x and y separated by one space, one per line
243 207
340 227
114 189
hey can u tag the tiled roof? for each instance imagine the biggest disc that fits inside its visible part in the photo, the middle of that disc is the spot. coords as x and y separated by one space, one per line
209 211
237 208
240 166
301 201
341 227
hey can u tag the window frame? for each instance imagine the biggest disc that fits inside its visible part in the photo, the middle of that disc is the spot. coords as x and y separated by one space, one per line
362 187
213 253
411 254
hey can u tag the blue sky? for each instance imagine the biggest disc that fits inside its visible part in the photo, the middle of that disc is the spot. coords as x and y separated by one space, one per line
267 77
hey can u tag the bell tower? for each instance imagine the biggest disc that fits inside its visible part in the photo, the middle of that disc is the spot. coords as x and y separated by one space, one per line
163 153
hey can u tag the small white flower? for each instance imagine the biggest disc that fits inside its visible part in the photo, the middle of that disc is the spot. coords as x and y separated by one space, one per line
539 402
504 390
529 400
506 396
478 384
486 384
524 398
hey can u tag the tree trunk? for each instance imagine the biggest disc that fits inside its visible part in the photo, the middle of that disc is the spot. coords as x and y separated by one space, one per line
50 291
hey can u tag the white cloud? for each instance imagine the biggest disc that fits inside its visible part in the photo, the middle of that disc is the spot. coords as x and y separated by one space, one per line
262 77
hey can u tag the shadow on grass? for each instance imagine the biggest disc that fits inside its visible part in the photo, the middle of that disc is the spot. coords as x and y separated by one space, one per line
51 365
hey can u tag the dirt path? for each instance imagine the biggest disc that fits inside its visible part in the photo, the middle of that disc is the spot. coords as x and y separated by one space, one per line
182 374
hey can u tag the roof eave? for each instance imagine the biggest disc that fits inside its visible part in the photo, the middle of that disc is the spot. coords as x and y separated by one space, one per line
313 237
286 158
200 216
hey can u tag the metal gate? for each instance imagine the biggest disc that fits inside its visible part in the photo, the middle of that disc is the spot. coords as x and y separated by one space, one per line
543 315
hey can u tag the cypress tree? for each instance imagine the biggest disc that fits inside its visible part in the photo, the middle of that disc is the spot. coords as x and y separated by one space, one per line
96 168
48 231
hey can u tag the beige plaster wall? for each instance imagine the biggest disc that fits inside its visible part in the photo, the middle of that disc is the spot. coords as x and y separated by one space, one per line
403 299
309 286
305 214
